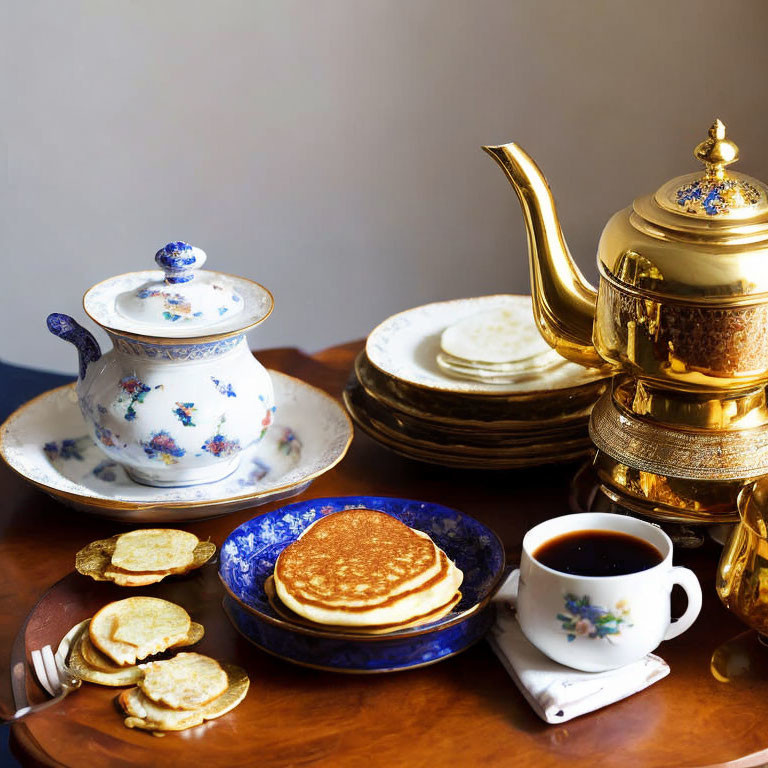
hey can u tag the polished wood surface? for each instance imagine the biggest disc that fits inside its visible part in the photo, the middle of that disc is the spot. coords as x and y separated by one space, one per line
465 711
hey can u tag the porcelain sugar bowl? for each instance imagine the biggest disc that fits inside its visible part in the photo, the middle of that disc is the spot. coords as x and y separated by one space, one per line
179 395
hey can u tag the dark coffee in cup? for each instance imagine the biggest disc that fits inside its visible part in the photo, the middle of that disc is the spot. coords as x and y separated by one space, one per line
597 553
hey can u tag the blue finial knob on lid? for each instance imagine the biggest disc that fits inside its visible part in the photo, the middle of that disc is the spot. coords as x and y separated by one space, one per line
178 260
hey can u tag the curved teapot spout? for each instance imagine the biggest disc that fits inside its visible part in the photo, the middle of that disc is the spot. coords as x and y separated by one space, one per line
67 328
563 300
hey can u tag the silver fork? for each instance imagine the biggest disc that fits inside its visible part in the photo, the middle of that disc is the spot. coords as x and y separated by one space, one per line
52 672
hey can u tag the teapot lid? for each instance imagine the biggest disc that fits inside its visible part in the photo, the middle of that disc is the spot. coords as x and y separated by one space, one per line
716 205
715 194
180 302
700 237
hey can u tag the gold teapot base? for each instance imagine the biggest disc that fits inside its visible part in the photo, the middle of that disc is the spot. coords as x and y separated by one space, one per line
667 498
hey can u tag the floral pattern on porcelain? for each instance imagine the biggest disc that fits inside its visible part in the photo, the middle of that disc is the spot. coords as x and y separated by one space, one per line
248 557
267 420
176 306
582 619
162 446
174 351
264 474
259 471
106 470
183 412
223 388
69 448
136 390
219 445
164 423
289 442
105 436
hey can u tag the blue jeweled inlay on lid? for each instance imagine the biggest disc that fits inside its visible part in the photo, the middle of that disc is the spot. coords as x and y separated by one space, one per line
716 196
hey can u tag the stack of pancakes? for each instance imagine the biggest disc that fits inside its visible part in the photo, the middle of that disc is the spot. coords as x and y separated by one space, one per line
363 571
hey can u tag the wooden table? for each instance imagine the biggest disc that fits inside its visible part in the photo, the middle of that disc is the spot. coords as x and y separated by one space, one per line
464 712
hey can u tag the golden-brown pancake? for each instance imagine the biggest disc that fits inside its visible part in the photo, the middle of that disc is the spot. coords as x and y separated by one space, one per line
357 556
286 613
361 567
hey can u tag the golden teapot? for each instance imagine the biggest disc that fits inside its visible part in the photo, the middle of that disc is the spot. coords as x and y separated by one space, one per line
681 314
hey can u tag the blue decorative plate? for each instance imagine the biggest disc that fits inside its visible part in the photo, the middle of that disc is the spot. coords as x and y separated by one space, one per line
248 558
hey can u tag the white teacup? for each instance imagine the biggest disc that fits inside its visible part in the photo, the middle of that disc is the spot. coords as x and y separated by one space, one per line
595 623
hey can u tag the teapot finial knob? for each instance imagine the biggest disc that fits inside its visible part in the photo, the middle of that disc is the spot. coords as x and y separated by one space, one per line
716 151
178 260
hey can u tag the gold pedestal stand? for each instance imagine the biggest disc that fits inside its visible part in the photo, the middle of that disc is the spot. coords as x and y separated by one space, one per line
678 456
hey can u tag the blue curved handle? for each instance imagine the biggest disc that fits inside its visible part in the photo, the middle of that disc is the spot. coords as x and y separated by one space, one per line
67 328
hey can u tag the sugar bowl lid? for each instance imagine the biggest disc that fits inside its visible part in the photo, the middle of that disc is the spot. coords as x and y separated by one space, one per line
180 302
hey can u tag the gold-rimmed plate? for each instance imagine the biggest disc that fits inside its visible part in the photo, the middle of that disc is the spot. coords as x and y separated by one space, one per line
405 347
510 412
479 443
46 441
473 435
446 458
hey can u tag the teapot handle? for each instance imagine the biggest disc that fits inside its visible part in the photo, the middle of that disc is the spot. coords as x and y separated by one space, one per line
67 328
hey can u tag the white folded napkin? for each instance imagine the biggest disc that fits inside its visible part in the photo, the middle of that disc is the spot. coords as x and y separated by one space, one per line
558 693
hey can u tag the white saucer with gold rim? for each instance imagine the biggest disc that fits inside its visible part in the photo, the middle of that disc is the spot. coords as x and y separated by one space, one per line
47 442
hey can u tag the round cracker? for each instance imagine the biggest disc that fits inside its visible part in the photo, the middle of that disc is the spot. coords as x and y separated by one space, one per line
93 559
132 578
94 658
195 635
132 629
122 677
147 715
98 661
187 681
154 549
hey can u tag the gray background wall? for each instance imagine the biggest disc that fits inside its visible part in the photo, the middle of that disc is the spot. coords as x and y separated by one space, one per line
330 148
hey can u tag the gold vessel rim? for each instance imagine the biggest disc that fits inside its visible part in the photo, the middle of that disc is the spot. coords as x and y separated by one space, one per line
715 302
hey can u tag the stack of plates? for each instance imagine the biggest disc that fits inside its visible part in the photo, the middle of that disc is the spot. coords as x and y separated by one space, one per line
432 402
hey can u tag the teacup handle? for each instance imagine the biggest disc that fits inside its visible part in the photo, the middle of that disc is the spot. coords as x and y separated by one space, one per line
688 581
